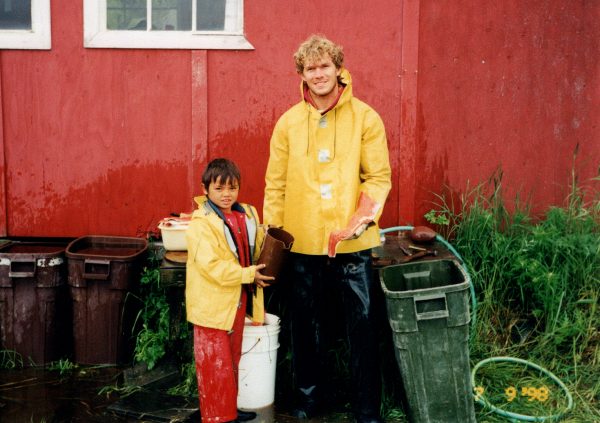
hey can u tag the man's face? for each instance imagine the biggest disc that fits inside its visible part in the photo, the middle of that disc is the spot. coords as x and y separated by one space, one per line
321 76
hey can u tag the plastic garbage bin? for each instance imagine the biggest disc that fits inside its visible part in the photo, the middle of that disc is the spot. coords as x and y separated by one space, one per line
34 303
428 311
102 272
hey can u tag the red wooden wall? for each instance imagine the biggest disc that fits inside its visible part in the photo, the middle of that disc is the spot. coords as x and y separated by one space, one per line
512 84
108 141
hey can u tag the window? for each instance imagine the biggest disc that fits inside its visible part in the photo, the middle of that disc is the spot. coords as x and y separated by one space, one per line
188 24
25 24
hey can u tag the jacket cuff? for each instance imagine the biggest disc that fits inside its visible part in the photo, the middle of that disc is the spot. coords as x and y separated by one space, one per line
248 274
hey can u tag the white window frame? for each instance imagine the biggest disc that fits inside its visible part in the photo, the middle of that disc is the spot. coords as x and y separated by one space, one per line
36 38
96 35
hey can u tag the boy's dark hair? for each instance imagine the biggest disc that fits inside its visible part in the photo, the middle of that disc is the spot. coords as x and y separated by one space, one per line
223 169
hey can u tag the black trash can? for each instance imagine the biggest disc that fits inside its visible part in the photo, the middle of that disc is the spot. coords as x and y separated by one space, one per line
103 271
34 302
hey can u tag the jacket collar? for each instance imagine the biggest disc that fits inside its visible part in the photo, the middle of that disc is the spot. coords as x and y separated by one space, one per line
205 204
235 207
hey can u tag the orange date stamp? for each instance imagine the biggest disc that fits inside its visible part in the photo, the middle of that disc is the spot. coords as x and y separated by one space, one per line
511 393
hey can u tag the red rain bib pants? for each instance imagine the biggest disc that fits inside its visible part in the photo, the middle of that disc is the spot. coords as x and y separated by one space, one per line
217 354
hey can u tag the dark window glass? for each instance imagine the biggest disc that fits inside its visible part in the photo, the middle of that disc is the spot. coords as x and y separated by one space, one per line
172 15
210 15
15 14
126 15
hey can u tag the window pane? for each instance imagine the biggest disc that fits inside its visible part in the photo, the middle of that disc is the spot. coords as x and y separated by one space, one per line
15 14
169 15
210 15
126 15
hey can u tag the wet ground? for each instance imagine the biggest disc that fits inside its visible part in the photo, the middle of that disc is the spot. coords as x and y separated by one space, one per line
35 395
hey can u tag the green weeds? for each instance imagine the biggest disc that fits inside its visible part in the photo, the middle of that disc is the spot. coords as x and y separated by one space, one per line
164 336
119 389
63 366
151 343
537 280
188 386
10 359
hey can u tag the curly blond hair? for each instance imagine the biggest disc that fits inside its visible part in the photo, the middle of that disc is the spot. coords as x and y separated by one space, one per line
314 48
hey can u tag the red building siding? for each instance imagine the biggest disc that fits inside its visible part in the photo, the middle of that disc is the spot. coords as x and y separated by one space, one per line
512 85
108 141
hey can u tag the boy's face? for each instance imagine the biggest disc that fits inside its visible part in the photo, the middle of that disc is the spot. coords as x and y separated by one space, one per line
223 194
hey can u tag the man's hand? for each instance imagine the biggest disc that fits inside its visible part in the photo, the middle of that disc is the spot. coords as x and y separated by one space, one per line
359 231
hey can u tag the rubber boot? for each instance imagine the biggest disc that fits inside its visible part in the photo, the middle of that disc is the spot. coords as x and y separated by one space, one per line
307 345
351 277
356 279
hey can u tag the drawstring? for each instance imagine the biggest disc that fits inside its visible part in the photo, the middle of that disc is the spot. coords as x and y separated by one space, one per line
307 128
334 132
308 131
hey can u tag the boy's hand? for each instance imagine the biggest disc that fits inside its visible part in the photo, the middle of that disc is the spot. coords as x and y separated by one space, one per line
260 279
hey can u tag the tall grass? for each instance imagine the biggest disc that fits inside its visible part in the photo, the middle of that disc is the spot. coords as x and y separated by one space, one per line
537 281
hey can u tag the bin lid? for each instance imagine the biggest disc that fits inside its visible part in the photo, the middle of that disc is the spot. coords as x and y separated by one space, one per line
107 247
423 278
33 249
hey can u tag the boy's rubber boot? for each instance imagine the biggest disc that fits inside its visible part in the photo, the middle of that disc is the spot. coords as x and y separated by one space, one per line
244 416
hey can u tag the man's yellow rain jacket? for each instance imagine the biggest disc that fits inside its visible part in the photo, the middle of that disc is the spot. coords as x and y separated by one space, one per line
318 166
214 276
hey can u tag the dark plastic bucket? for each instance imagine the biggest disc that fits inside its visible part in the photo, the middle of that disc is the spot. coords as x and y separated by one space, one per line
276 247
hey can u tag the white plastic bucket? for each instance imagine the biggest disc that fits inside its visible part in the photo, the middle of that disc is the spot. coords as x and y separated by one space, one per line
256 386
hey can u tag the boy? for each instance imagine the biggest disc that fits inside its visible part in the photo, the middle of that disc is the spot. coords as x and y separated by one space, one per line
223 241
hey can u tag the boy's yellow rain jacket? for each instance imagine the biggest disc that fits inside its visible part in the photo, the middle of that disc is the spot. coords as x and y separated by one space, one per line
319 164
214 276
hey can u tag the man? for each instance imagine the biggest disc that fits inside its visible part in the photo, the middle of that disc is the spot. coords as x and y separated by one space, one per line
325 152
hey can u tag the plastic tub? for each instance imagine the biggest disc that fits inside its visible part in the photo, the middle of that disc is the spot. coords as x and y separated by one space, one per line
173 234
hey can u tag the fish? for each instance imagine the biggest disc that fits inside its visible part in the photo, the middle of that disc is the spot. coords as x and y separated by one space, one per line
365 213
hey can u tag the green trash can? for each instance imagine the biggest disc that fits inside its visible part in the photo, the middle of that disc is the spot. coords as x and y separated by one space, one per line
428 311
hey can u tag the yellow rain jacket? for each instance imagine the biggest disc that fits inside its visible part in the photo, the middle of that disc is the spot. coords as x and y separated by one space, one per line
319 164
214 276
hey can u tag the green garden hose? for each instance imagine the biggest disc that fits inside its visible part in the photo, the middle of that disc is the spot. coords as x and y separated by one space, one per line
480 398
